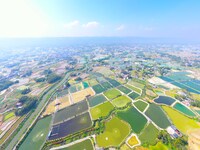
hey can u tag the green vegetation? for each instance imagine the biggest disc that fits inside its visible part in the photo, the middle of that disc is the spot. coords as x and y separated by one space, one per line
98 88
133 95
85 85
134 118
133 88
159 146
37 136
183 109
149 135
52 78
101 110
114 134
137 84
121 101
156 114
113 82
124 89
4 84
185 124
112 93
106 85
84 145
95 100
72 89
140 105
40 79
93 82
26 91
8 115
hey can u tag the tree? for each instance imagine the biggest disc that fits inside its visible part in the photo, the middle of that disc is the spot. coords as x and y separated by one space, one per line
53 78
26 91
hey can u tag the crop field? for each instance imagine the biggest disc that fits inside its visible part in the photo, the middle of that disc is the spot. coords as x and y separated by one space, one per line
37 136
124 89
150 93
165 100
159 146
85 84
140 105
133 95
72 89
62 93
71 126
114 134
133 88
70 111
136 120
121 101
113 82
112 93
185 124
98 89
81 95
136 84
149 134
106 85
101 79
8 115
93 82
184 110
97 99
101 110
133 141
83 145
156 114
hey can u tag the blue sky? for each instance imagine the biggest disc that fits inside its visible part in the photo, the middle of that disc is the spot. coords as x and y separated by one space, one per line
140 18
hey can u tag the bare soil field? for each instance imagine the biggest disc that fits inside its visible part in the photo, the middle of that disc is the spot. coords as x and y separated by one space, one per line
81 95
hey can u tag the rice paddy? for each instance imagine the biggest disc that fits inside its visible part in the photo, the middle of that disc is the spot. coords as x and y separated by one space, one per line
133 95
98 88
184 110
140 105
121 101
165 100
97 99
112 93
124 89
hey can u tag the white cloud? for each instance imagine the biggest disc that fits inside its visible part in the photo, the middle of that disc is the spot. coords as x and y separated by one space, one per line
121 27
72 24
92 24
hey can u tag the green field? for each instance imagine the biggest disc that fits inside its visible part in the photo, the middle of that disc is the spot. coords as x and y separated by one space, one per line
140 105
184 110
98 89
113 82
133 95
85 84
124 89
106 85
84 145
72 89
121 101
137 84
8 115
159 146
37 136
136 120
149 134
155 113
133 88
182 122
93 82
114 134
95 100
112 93
101 110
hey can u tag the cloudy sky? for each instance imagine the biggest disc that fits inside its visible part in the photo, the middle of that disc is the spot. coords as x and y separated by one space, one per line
66 18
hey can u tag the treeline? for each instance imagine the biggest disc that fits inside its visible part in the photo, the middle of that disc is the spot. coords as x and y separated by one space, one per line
28 103
4 84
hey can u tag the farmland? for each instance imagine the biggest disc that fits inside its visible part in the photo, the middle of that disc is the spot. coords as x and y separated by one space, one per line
176 116
85 85
136 120
81 95
156 114
112 93
113 82
121 101
114 134
164 100
95 100
184 109
98 88
124 89
140 105
37 136
133 88
106 85
133 95
101 110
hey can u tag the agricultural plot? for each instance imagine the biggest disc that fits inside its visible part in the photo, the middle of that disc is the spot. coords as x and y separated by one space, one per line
101 79
70 112
37 136
112 93
136 120
184 110
137 90
79 86
62 93
8 115
106 85
156 114
159 146
133 141
114 134
81 95
98 89
140 105
83 145
165 100
72 89
185 124
149 134
133 95
71 126
124 89
85 84
136 84
93 82
101 110
95 100
121 101
113 82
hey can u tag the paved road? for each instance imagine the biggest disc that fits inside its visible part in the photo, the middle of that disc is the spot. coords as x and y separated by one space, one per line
33 117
